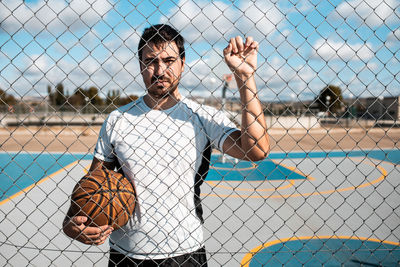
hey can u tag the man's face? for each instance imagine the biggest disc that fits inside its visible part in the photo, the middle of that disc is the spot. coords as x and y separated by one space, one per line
161 68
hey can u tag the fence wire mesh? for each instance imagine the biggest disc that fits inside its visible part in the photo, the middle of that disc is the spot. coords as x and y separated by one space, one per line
328 83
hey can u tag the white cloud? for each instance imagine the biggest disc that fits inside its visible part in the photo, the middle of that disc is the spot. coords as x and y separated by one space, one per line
107 75
213 21
36 65
371 12
124 47
279 81
304 6
200 20
56 15
258 18
204 74
338 50
393 40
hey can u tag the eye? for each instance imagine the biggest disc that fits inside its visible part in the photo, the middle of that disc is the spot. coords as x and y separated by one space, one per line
148 61
169 60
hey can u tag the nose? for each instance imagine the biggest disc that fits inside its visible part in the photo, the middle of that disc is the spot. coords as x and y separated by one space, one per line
160 68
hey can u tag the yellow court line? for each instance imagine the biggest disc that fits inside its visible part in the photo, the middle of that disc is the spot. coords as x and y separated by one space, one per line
235 169
86 169
38 183
291 183
247 258
294 169
379 179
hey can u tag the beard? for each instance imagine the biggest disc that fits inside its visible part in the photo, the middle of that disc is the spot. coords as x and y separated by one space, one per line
162 87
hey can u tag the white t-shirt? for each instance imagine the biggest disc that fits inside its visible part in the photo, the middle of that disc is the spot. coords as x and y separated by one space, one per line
166 154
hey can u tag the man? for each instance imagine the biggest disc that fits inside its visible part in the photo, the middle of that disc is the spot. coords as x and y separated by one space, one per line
163 144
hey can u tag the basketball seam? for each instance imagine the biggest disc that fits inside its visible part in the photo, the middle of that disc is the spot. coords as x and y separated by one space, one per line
124 204
111 204
97 205
120 198
86 192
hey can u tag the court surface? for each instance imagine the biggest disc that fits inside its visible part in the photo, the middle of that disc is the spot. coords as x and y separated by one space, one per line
317 208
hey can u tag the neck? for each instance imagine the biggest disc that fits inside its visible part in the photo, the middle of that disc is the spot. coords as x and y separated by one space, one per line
162 103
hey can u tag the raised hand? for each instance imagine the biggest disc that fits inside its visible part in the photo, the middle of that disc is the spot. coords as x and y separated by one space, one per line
241 57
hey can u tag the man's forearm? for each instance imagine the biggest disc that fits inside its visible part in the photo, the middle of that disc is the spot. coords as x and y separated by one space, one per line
254 137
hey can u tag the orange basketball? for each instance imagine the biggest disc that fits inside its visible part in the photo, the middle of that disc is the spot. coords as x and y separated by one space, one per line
106 197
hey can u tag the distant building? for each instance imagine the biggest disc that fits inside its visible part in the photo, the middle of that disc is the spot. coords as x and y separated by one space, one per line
372 108
378 108
33 100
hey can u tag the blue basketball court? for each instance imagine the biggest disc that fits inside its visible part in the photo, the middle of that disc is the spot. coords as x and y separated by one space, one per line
316 208
325 251
19 171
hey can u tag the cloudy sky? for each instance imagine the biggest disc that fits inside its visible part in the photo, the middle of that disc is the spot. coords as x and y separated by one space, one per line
304 45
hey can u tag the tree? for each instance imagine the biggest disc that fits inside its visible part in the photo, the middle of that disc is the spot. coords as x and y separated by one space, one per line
81 97
78 98
50 96
113 97
6 99
59 96
93 94
330 99
126 100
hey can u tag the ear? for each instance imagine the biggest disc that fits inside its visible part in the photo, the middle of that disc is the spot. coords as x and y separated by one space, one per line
183 64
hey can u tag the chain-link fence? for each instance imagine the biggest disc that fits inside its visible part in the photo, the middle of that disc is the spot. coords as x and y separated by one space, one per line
328 83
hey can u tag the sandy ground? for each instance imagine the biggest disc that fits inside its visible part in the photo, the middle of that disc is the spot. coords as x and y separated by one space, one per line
83 139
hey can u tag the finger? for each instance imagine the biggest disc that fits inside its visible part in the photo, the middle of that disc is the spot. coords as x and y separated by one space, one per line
239 44
249 41
101 240
106 228
92 231
94 237
74 226
78 220
90 237
98 243
234 46
228 50
253 47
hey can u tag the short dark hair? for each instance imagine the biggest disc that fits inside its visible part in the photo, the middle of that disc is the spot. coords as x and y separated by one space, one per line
161 33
